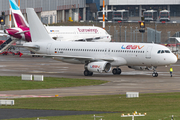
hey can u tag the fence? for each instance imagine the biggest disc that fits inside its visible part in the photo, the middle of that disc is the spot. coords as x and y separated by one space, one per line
153 35
131 34
126 34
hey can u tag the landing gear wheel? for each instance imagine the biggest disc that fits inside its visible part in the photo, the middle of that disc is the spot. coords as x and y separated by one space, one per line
119 71
116 71
155 74
88 73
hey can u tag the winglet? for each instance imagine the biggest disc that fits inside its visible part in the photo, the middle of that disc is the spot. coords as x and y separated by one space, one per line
37 30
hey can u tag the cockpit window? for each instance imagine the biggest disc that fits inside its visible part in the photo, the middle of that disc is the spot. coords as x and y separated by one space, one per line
159 51
163 51
167 51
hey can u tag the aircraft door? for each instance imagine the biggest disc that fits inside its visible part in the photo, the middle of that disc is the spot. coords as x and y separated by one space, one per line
148 52
108 51
48 48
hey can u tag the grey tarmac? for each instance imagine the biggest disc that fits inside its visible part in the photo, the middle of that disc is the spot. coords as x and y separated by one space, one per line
129 80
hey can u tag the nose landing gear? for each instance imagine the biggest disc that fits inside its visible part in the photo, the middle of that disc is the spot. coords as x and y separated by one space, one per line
154 74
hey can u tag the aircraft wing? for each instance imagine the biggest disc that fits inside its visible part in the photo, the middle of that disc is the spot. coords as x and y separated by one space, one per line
80 58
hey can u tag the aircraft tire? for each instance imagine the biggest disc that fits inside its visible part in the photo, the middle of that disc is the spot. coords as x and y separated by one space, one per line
114 71
155 74
88 73
119 71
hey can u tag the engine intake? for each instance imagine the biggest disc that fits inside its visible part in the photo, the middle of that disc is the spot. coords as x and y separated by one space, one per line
98 67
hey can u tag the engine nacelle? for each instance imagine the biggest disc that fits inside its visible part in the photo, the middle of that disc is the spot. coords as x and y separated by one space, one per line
98 66
139 67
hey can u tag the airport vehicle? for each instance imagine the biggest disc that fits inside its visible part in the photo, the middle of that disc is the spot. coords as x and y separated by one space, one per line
100 15
97 57
150 15
61 33
111 15
164 15
8 51
121 15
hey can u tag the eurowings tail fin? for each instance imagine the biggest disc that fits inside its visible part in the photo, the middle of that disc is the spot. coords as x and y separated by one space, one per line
19 19
37 29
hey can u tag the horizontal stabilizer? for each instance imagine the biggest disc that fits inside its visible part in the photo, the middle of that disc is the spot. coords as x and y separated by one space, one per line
22 32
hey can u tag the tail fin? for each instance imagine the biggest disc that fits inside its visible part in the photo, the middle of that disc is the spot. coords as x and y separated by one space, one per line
19 19
37 29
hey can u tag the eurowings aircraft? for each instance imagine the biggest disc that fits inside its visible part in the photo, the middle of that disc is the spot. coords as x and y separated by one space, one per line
97 57
61 33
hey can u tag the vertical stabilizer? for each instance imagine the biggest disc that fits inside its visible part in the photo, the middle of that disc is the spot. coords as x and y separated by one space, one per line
37 29
19 19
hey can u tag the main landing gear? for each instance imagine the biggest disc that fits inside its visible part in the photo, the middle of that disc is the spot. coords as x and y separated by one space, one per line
154 74
88 73
116 71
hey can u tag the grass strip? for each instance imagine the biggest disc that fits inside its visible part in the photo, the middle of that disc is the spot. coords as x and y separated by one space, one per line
15 83
157 106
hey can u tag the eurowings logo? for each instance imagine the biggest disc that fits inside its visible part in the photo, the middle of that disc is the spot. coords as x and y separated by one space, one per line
95 66
132 47
88 30
13 5
54 30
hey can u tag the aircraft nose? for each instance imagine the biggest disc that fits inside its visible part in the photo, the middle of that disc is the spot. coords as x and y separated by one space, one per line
174 59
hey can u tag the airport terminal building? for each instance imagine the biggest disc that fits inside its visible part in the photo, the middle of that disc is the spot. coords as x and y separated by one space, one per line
136 7
55 11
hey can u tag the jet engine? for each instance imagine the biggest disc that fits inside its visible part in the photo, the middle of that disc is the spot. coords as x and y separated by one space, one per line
102 66
139 67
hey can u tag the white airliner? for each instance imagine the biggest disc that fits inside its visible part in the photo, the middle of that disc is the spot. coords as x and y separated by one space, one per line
78 33
61 33
98 57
